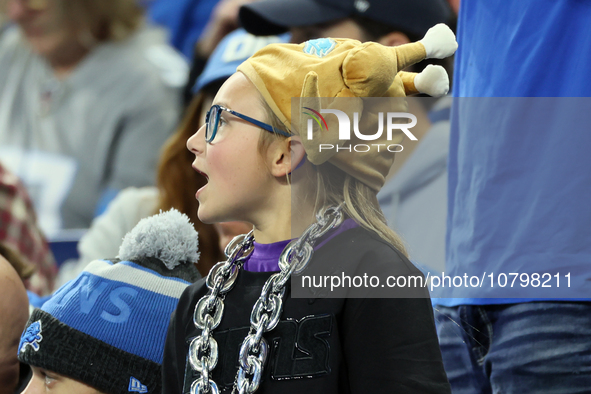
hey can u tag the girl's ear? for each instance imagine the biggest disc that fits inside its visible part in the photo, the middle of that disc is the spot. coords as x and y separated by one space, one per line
297 152
287 154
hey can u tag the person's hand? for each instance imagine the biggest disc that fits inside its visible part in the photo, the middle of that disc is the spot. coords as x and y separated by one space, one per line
440 42
223 20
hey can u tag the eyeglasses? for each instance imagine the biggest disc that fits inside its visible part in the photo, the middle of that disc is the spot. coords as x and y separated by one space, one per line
212 120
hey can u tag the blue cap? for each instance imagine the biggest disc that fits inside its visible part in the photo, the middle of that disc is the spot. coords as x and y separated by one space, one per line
235 48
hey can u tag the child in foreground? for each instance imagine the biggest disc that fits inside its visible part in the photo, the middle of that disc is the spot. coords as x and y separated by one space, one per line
240 330
103 332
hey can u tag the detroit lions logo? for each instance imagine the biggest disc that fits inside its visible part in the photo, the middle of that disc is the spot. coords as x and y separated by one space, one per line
32 336
320 47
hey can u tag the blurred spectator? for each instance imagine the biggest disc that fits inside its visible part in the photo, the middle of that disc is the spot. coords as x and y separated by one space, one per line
104 332
413 199
223 20
177 182
184 20
88 97
15 312
455 5
519 200
3 22
23 268
385 21
20 233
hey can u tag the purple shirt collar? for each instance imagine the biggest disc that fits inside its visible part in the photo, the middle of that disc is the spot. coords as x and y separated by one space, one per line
265 257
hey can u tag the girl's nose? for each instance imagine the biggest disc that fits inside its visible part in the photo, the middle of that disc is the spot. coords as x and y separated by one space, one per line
196 143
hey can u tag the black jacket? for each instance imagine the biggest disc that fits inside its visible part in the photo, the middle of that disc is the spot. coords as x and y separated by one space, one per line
322 345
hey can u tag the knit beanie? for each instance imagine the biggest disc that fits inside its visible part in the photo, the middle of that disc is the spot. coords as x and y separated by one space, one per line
338 74
107 327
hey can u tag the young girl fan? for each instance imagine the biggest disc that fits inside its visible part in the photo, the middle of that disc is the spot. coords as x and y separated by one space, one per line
243 329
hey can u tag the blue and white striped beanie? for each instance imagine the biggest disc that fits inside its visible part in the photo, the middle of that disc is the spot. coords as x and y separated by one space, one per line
107 327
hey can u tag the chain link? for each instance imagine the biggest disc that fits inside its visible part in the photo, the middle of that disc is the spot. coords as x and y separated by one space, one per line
266 312
199 387
203 350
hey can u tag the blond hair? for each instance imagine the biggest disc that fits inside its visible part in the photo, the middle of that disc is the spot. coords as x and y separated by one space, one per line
105 20
334 186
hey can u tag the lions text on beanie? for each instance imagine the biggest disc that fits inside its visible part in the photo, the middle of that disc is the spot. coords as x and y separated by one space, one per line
107 327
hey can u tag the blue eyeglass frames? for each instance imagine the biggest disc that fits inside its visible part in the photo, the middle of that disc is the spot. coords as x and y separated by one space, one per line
212 120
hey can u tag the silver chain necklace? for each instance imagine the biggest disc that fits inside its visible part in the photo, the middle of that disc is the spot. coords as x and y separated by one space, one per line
266 312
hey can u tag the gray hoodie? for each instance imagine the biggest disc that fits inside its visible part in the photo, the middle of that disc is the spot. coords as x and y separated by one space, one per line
98 130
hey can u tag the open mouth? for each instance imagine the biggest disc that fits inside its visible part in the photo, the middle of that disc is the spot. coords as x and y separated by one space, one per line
201 172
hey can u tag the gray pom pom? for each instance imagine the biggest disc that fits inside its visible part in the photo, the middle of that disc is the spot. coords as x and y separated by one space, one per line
168 236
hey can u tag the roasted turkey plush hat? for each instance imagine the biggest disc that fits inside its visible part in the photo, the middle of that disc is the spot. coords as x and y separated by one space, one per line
324 71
